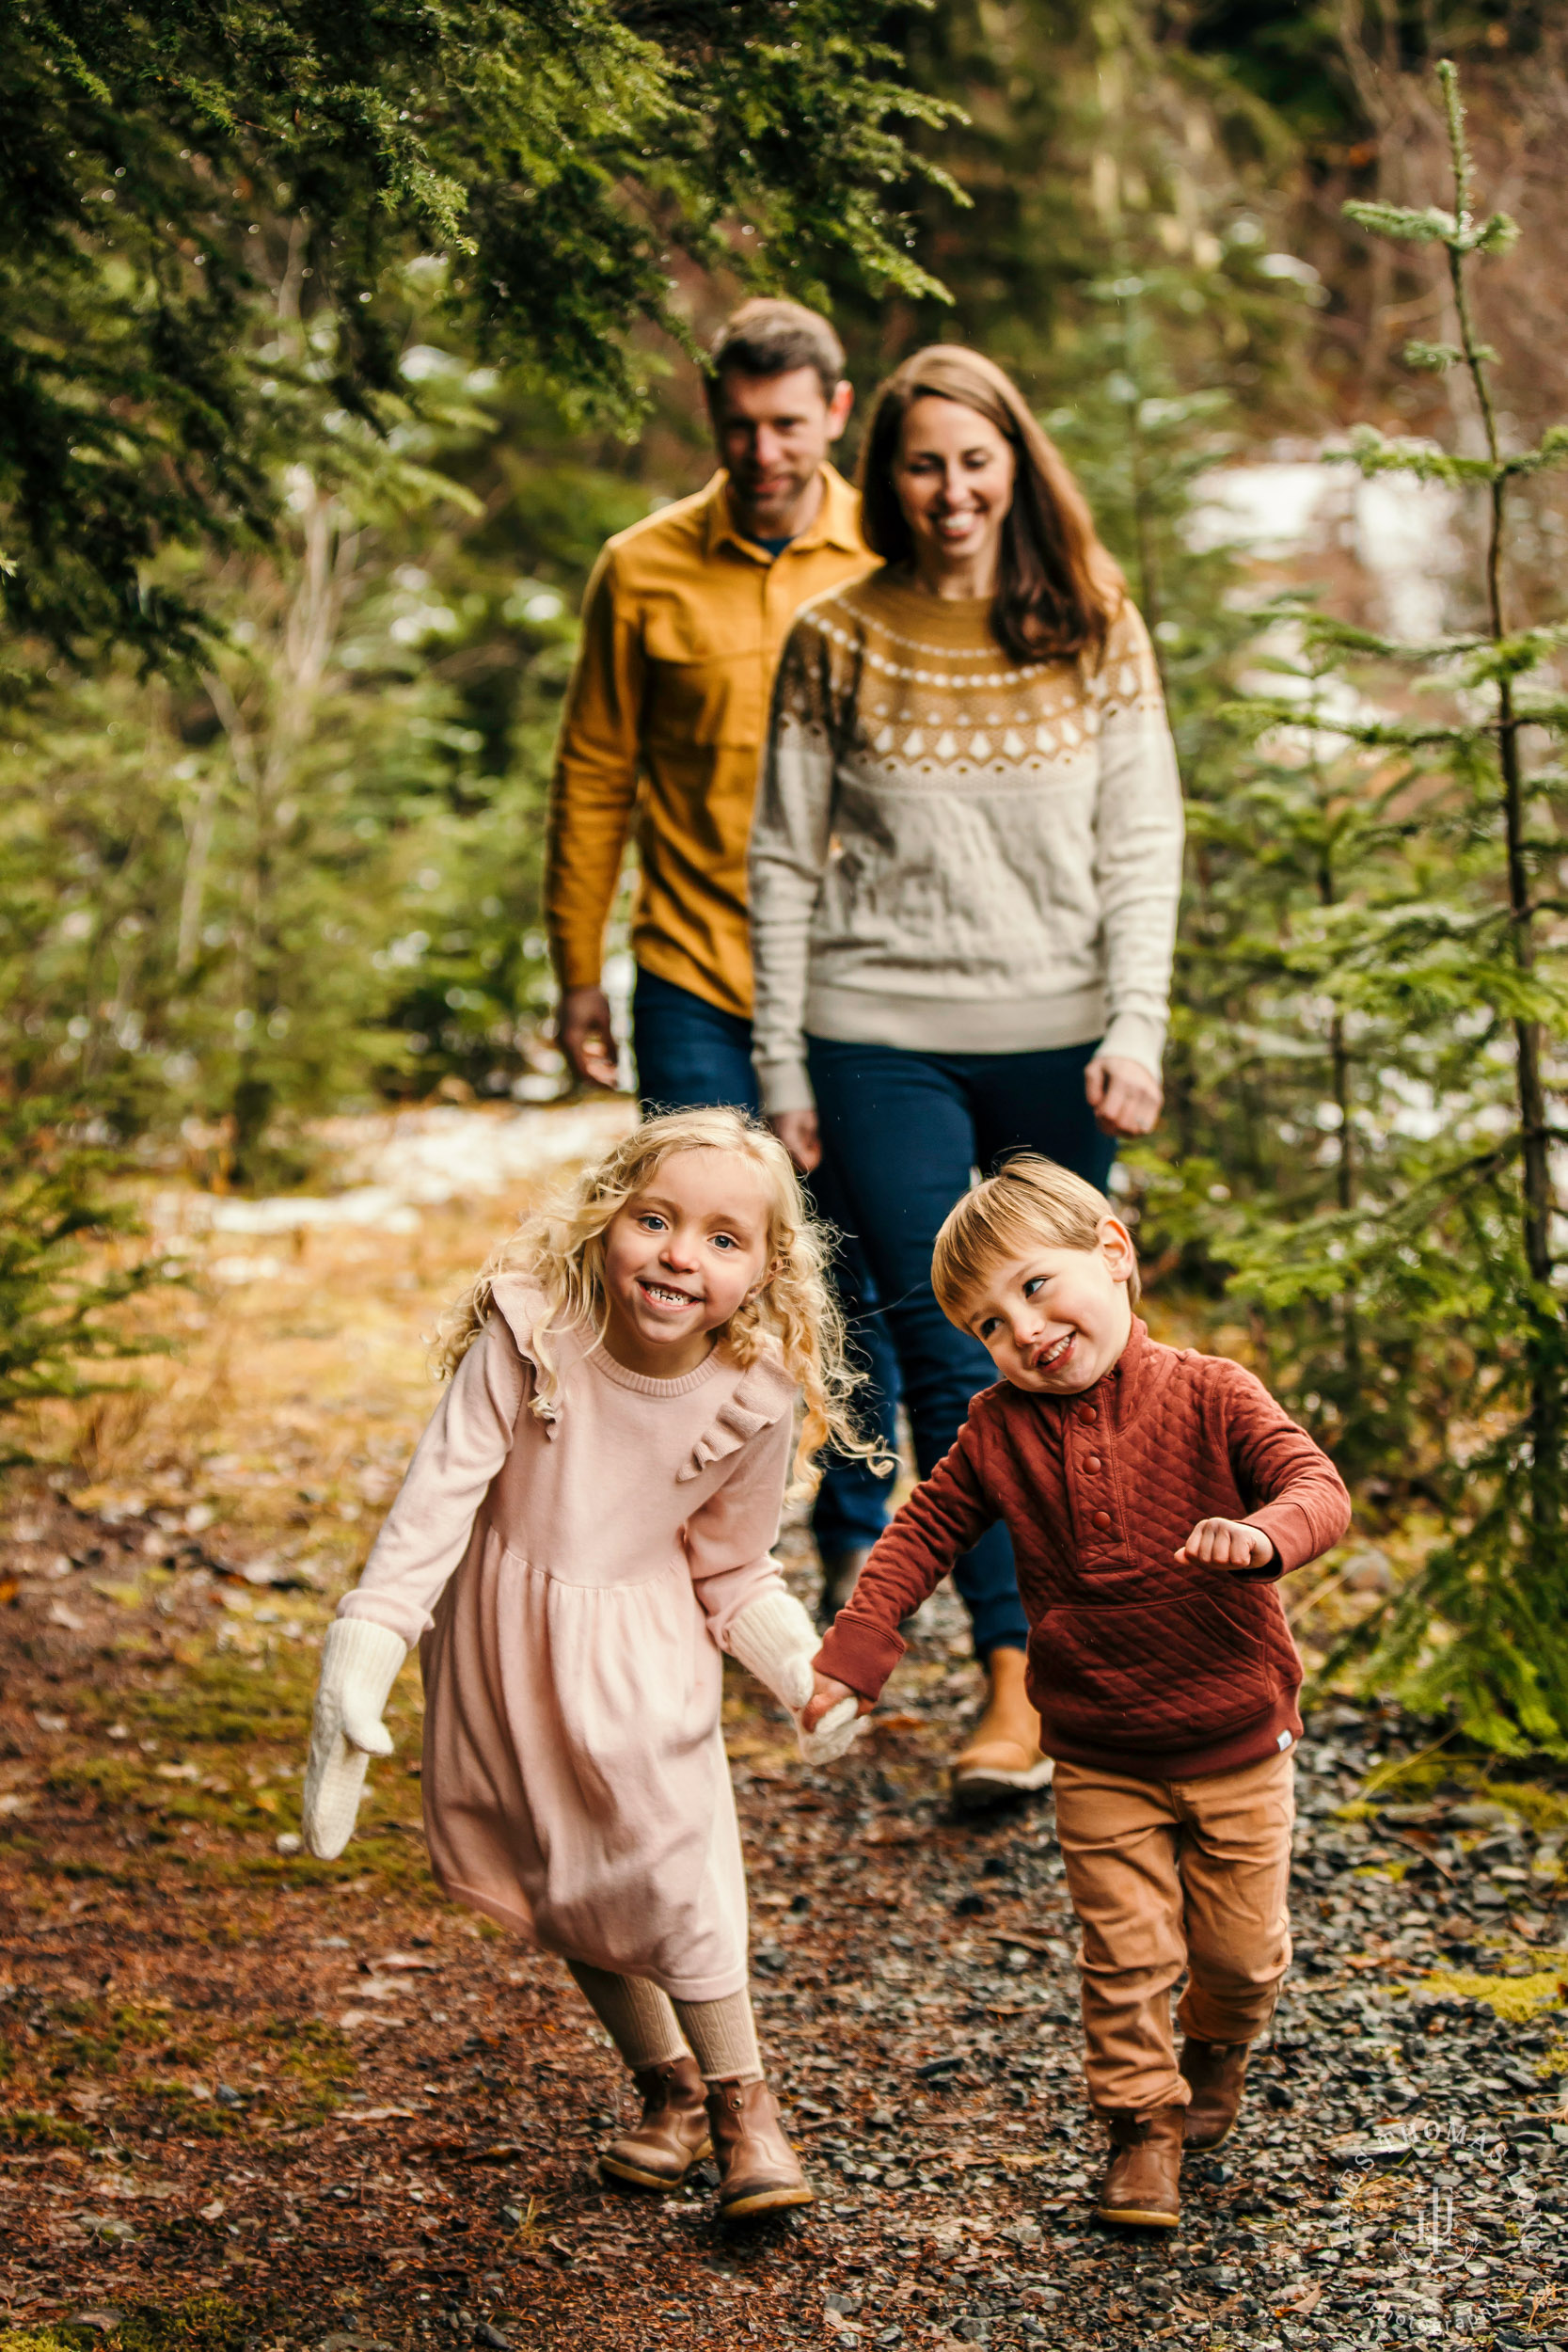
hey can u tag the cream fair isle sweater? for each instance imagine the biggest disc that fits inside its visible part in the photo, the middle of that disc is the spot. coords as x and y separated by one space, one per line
957 853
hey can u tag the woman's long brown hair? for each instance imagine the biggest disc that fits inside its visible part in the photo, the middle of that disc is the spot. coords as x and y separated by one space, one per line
1058 590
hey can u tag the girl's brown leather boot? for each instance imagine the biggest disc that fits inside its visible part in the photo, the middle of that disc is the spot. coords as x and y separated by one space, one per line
758 2169
673 2133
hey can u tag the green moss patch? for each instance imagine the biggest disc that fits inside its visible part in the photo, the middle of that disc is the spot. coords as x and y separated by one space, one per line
1512 1998
32 2127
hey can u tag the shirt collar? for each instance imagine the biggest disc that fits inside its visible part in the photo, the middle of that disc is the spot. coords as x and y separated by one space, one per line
837 524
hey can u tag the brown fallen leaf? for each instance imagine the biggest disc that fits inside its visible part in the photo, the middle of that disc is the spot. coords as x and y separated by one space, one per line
377 2114
1304 2306
501 2151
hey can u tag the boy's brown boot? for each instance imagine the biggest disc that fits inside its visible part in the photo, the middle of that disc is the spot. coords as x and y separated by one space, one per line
1142 2185
673 2134
758 2169
1216 2071
1004 1758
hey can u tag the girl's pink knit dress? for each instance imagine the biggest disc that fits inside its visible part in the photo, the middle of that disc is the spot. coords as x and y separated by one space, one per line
570 1583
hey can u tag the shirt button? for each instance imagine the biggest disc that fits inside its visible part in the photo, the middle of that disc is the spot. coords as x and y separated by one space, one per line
1087 1412
1101 1519
1092 1462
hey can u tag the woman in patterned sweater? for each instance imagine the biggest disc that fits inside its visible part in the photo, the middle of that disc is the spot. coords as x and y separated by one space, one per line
965 867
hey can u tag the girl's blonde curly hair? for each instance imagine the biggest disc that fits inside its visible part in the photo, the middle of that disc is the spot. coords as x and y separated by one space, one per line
561 1247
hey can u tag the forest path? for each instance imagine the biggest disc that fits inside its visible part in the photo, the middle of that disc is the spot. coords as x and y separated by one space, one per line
253 2101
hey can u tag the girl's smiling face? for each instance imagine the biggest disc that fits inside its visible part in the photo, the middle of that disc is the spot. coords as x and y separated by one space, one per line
1055 1321
680 1258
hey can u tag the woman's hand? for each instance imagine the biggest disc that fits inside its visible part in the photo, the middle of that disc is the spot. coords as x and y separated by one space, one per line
826 1693
798 1132
1225 1544
1126 1099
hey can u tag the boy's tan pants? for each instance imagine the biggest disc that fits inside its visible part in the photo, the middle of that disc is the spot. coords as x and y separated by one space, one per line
1168 1875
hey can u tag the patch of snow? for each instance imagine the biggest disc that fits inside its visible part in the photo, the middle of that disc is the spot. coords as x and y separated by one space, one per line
401 1162
1403 532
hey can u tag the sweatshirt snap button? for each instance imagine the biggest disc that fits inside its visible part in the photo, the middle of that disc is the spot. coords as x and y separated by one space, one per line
1093 1462
1101 1519
1086 1412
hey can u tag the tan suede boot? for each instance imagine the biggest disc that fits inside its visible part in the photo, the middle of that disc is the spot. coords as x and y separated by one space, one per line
758 2169
1142 2186
1004 1758
673 2133
1216 2071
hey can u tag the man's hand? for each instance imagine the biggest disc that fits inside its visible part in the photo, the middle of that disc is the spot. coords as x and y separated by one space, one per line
1226 1544
586 1036
801 1138
1125 1098
826 1693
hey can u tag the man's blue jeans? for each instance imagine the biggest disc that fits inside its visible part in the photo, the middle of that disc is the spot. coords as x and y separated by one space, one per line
901 1134
690 1053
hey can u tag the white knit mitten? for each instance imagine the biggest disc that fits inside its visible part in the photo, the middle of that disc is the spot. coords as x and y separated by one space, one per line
775 1640
359 1665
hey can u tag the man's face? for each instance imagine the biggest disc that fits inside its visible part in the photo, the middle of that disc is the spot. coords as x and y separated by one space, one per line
773 433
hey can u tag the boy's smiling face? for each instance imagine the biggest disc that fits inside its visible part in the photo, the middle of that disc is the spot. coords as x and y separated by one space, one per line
1055 1321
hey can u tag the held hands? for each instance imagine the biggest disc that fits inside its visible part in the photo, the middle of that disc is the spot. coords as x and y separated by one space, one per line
775 1640
1126 1099
831 1703
359 1665
1226 1544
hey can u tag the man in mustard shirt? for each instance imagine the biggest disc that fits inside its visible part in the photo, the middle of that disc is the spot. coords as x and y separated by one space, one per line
683 625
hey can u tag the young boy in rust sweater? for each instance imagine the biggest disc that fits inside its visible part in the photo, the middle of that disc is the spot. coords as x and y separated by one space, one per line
1154 1497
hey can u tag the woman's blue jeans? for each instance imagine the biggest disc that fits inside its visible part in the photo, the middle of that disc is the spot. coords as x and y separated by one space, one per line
901 1132
690 1053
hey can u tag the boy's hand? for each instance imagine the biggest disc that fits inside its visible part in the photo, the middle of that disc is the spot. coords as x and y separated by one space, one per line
826 1693
1226 1544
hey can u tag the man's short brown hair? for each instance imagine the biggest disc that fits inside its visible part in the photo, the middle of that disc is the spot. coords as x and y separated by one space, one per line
1030 1203
770 336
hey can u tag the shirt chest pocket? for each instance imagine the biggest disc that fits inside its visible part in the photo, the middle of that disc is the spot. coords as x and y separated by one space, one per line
707 677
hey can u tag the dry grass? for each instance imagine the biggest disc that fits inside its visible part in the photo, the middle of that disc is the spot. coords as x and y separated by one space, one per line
297 1381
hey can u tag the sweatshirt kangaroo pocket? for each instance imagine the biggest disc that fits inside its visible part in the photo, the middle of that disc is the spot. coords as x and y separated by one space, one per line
1153 1674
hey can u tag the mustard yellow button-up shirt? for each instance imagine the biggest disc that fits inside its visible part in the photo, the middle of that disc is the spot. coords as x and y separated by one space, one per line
666 716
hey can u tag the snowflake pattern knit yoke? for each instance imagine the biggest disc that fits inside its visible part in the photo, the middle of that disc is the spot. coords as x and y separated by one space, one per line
956 852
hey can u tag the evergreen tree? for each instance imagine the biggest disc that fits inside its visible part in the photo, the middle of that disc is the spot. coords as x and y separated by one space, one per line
1432 975
156 161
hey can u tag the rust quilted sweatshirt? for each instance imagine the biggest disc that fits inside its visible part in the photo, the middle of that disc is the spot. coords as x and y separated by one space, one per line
1135 1664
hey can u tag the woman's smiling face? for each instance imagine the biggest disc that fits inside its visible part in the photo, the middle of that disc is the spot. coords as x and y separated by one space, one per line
954 479
680 1258
1054 1321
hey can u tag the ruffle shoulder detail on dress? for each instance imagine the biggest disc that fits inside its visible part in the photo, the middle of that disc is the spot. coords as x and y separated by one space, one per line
762 1395
522 1305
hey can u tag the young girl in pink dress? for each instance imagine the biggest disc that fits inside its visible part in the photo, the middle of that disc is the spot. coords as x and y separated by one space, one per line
585 1525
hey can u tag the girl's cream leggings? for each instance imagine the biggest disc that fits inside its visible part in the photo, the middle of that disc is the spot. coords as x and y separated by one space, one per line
648 2028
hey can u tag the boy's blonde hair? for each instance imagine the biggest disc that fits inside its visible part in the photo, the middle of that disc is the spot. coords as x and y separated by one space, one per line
1028 1202
561 1247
